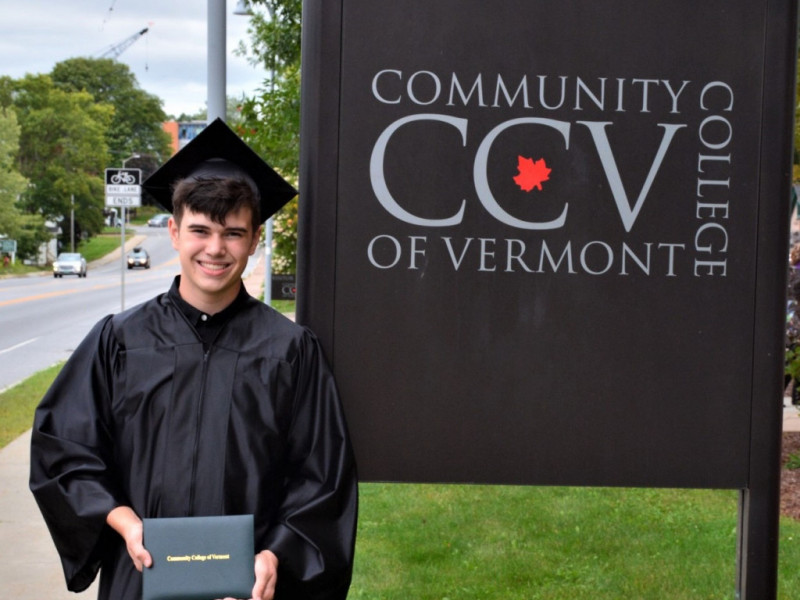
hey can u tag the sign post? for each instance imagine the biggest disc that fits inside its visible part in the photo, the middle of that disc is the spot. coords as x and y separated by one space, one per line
123 189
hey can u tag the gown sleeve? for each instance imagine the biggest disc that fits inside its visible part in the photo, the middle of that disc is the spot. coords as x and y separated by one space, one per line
315 536
71 466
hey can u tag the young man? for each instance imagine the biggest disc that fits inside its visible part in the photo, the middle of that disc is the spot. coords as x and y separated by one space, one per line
202 401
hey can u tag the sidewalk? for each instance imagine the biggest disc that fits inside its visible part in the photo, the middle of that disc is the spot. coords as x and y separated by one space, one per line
29 565
791 417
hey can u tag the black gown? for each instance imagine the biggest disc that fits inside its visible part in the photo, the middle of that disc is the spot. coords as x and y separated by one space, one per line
143 415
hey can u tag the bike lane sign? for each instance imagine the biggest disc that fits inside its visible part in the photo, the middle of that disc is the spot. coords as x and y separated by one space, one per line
123 187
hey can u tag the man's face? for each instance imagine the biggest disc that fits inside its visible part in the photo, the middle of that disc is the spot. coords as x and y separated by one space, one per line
212 256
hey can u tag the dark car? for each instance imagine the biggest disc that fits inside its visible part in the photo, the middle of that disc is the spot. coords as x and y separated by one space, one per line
69 263
160 220
138 257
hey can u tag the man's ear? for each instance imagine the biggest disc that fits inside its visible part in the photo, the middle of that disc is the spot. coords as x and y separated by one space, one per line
256 239
174 232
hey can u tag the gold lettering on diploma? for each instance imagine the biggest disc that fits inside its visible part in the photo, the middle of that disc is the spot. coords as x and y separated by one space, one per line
198 557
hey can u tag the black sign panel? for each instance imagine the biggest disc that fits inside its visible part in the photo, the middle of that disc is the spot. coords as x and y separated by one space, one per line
122 179
534 235
284 287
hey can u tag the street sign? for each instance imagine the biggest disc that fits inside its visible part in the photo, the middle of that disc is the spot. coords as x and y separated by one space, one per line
8 246
123 187
117 200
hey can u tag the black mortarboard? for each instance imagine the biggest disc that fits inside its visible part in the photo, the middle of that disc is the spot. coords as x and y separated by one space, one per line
218 152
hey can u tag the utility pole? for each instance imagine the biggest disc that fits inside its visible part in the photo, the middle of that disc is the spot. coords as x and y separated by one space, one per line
72 223
216 59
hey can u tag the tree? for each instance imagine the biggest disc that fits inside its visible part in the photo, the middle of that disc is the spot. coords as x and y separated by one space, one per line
12 183
136 125
271 119
63 151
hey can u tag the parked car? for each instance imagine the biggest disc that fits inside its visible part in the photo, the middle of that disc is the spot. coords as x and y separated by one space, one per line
69 263
138 257
160 220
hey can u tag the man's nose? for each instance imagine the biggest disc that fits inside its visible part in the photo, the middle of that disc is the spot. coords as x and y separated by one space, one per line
216 245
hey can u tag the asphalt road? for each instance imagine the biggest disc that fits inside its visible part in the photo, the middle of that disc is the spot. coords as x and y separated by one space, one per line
42 319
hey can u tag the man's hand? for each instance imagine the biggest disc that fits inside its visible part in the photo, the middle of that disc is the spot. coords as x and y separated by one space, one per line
266 575
127 523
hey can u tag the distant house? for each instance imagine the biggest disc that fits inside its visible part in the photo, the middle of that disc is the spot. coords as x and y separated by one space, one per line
48 251
183 132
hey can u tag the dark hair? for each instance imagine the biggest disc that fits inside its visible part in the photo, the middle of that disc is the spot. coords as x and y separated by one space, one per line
215 197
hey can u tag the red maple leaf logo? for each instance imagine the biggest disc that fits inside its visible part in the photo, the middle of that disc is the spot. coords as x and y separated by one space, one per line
532 173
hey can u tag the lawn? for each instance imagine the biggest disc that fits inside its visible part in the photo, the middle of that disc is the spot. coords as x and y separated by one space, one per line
432 542
101 245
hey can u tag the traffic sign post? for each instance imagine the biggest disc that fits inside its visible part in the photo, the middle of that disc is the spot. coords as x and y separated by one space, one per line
123 189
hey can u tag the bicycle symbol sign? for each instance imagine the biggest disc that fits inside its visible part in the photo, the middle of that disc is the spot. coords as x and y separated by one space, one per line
123 176
123 187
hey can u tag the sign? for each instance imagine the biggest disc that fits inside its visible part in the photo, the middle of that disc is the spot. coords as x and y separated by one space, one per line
119 200
8 246
284 287
123 187
539 249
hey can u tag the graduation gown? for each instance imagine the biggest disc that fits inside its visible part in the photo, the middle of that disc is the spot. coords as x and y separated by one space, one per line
143 415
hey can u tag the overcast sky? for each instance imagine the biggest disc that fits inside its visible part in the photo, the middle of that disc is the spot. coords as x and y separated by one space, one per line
168 61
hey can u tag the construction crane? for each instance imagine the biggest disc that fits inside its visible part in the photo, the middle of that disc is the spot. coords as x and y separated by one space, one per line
117 49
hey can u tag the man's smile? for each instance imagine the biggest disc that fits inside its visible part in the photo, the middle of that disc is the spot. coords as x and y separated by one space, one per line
215 266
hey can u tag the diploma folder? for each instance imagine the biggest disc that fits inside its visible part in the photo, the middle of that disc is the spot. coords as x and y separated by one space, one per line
199 558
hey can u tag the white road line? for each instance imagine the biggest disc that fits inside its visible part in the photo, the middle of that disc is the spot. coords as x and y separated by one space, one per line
19 345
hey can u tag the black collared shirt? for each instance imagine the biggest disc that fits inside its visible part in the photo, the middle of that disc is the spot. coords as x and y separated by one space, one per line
207 326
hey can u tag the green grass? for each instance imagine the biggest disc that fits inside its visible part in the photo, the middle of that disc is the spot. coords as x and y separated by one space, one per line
101 245
431 542
18 402
458 542
282 306
18 268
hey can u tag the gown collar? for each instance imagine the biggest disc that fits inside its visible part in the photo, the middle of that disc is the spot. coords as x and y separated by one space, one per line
207 326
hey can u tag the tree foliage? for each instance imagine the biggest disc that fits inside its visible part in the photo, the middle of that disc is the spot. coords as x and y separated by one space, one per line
270 120
63 151
12 182
87 115
135 126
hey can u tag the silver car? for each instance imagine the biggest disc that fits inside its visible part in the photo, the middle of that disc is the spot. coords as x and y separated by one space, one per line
160 220
69 263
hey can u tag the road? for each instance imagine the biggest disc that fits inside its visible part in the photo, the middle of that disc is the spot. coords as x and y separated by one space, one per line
42 319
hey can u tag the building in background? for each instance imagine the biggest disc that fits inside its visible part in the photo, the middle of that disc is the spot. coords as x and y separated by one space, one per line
183 132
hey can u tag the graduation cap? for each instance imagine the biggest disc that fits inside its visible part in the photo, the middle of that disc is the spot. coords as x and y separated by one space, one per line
218 152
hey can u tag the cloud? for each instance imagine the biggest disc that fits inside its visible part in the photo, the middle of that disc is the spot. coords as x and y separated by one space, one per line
169 61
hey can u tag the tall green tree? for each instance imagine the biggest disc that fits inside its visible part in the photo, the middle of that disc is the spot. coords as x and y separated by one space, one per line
136 124
63 151
12 182
271 119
